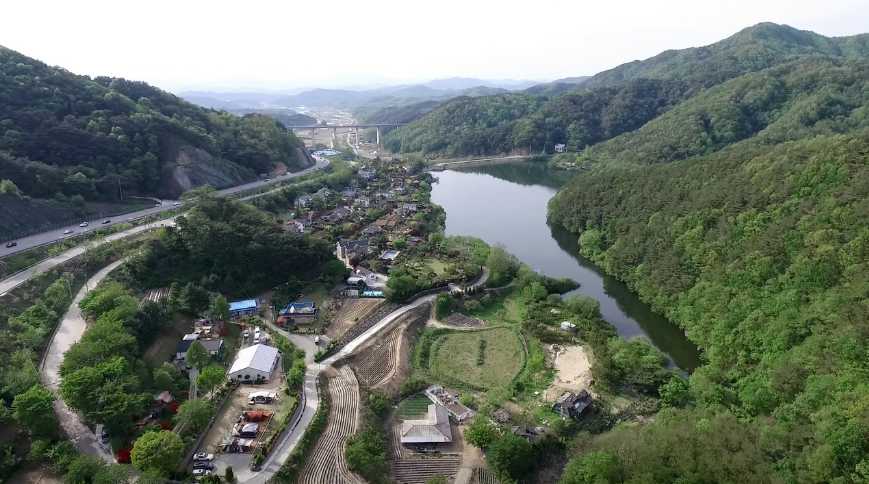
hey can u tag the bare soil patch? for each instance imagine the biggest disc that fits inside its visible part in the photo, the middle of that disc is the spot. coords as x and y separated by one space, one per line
351 312
572 370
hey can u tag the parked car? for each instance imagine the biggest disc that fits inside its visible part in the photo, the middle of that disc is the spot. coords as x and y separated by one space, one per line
107 221
202 464
83 224
11 244
203 456
200 473
176 204
68 231
245 334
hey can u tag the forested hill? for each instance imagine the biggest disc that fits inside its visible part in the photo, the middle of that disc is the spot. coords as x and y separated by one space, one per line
613 102
70 135
742 213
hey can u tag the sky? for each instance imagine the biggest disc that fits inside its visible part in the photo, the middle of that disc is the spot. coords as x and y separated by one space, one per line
273 45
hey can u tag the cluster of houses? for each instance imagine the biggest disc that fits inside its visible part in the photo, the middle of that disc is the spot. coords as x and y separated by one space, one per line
386 191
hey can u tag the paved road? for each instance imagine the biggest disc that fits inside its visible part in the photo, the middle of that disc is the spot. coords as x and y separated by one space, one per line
311 396
69 331
19 278
43 238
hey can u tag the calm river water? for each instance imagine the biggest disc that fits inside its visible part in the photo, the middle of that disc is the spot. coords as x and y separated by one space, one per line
506 204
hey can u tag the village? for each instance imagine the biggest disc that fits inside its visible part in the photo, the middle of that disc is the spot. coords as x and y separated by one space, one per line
380 225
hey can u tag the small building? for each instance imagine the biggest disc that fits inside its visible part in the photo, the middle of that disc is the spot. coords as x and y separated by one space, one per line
560 147
184 345
304 201
450 401
389 255
433 429
214 347
296 226
501 416
254 363
348 250
572 405
297 310
242 308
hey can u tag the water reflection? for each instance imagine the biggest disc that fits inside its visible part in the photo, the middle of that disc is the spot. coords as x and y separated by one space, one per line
506 204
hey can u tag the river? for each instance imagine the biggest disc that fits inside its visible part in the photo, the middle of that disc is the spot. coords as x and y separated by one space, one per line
506 204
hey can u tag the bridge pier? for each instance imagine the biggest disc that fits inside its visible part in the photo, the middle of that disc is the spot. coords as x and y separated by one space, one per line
378 136
332 139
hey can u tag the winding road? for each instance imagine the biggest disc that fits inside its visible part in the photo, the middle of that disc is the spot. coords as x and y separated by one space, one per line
69 331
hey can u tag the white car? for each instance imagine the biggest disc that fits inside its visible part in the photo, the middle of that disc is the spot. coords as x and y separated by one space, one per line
203 457
67 231
83 224
176 204
200 473
245 334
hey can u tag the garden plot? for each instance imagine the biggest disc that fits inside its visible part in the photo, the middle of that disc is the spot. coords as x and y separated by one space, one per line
478 359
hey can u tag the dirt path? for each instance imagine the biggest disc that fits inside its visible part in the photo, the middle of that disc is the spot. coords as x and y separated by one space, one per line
70 330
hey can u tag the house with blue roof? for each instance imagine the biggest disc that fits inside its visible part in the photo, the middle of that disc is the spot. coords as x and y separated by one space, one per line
242 308
297 310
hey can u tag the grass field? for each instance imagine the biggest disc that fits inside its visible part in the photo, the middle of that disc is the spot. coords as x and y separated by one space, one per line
456 357
413 406
437 266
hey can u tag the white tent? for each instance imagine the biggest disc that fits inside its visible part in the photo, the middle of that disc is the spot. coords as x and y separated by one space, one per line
253 363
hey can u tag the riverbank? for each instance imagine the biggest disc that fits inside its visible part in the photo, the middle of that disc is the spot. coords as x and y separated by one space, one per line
515 217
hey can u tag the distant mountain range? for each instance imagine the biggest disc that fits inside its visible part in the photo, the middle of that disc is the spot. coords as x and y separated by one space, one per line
398 95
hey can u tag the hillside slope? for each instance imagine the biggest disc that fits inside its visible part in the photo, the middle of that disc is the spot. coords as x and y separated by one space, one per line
622 99
75 136
742 214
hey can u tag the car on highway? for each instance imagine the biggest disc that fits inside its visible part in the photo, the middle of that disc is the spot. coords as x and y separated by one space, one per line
83 224
176 204
11 244
203 457
68 231
107 221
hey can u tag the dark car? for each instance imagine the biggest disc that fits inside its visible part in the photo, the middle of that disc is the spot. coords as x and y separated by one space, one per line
11 244
107 221
202 464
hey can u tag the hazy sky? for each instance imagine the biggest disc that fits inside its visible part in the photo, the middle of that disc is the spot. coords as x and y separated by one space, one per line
184 44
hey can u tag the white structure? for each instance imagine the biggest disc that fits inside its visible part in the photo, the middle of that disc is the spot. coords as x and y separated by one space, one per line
560 148
433 429
254 363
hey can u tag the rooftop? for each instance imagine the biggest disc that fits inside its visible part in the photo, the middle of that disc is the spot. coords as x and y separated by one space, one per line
259 357
435 428
242 305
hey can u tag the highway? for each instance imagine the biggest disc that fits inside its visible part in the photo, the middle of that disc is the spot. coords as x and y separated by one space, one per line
55 235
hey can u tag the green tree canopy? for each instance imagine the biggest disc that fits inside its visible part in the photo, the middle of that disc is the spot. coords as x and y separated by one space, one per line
157 451
34 410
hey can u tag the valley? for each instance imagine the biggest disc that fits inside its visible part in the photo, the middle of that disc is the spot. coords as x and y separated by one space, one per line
655 273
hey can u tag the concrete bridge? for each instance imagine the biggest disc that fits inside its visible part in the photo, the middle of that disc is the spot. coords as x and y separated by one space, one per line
354 128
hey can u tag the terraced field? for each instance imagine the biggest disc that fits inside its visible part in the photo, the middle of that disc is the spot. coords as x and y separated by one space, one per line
480 359
483 476
381 359
370 319
327 464
352 311
418 470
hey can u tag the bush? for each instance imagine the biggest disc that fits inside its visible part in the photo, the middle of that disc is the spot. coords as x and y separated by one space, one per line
366 455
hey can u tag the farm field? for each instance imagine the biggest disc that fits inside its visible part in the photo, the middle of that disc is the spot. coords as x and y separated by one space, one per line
483 359
414 406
